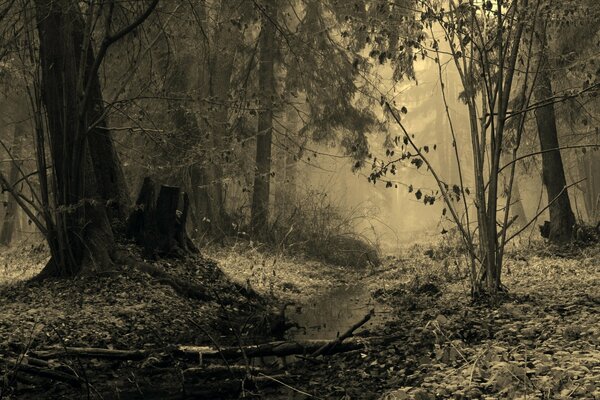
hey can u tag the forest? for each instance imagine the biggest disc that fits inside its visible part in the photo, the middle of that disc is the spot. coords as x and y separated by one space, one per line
300 199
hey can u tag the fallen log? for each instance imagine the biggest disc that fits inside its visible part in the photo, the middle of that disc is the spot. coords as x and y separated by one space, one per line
198 353
278 349
202 389
90 352
43 372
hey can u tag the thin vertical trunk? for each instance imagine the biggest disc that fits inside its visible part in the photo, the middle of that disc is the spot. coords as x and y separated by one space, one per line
562 218
285 190
266 84
214 76
517 209
588 167
220 68
12 209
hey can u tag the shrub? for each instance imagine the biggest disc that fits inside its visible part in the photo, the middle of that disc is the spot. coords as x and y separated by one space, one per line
319 228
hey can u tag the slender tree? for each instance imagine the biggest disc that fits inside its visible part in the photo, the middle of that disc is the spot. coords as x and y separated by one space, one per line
562 218
266 84
12 208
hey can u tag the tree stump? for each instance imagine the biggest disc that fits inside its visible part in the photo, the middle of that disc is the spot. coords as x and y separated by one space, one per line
157 222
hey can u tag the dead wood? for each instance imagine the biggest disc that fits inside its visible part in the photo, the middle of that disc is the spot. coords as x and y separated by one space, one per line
90 352
216 371
330 346
278 349
198 353
43 372
158 221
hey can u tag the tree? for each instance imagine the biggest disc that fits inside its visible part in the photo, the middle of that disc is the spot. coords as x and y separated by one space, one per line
222 41
84 163
11 207
484 42
266 85
316 75
562 218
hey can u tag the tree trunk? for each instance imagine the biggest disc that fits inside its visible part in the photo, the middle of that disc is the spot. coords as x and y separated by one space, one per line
158 221
589 164
266 84
562 218
186 124
81 239
110 179
285 189
11 210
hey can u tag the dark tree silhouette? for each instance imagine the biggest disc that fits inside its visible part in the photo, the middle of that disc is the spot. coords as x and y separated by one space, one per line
562 218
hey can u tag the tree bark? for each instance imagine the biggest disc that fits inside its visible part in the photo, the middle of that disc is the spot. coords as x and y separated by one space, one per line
82 240
589 164
214 82
562 218
110 179
266 84
158 221
12 209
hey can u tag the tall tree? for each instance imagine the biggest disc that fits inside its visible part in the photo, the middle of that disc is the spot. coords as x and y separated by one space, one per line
562 218
266 85
11 208
84 163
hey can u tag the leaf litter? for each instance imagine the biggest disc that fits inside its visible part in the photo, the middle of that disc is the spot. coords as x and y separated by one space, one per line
541 342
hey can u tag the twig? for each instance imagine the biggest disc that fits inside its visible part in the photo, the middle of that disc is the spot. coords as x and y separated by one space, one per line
287 386
330 345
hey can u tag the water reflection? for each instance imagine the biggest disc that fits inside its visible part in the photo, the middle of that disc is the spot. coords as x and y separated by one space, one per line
332 314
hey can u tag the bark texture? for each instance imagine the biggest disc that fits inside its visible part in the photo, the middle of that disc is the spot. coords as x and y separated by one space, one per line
81 239
266 83
562 218
158 221
11 207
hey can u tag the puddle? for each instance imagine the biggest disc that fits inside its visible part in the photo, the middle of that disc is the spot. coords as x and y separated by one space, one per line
327 317
332 314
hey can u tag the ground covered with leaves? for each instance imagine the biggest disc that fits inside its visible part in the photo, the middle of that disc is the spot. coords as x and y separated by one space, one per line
541 342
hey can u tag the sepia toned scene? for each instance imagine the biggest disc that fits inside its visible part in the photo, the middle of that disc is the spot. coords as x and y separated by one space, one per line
300 199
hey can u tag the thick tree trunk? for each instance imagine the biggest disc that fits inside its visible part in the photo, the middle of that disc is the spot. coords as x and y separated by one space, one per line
562 218
158 221
110 179
12 209
266 84
81 239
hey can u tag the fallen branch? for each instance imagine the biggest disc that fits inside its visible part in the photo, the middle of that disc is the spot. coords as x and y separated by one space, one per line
44 372
91 352
216 371
198 353
278 349
330 346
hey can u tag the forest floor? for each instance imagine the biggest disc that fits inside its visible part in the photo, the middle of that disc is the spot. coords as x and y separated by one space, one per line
541 342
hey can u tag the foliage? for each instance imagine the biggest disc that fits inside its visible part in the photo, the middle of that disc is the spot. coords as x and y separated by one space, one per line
484 42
